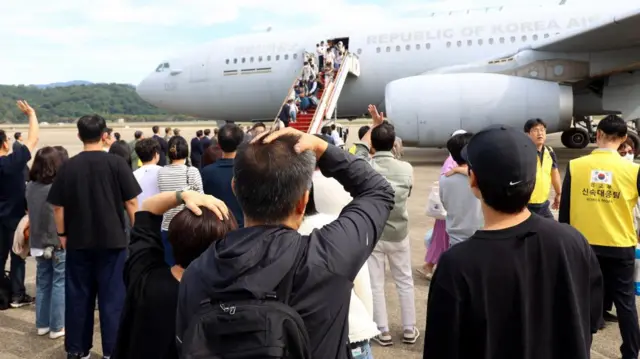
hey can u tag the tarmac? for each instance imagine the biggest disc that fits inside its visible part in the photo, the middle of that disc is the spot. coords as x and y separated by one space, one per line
17 329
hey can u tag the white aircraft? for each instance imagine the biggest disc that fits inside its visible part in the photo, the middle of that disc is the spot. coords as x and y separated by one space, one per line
463 69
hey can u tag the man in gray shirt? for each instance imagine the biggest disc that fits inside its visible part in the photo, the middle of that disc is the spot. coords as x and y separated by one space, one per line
464 214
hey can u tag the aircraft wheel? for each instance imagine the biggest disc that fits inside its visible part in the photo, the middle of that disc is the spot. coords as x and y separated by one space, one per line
576 138
636 141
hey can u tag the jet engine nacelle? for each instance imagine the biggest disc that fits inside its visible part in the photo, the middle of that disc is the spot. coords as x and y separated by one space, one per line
426 110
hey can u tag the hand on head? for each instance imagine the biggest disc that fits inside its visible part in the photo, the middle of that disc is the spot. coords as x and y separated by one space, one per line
194 200
306 142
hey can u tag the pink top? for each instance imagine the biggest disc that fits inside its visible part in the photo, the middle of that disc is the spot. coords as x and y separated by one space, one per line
449 164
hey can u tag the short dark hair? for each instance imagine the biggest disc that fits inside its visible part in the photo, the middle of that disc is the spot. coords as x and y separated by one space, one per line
215 131
613 126
147 149
178 148
211 155
325 130
117 136
333 126
91 128
311 209
230 137
455 145
259 124
199 133
508 200
167 130
270 178
121 148
534 122
191 235
45 165
363 131
137 135
383 137
155 129
17 135
3 137
108 131
64 154
207 132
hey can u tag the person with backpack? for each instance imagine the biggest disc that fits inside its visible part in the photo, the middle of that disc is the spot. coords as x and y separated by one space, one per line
547 173
148 324
265 290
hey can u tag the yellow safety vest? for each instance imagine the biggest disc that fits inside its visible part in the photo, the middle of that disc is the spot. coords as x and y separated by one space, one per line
604 192
352 150
543 178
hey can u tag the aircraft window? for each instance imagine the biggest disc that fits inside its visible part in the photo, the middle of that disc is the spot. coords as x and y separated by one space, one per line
286 57
388 48
269 58
159 68
277 57
513 39
428 46
166 64
359 51
260 58
480 42
546 36
408 47
244 60
469 43
459 43
491 41
295 56
524 38
398 48
227 61
235 61
535 37
417 46
251 59
448 43
502 40
378 50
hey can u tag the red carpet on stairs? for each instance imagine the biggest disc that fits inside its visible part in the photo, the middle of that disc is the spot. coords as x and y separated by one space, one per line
303 121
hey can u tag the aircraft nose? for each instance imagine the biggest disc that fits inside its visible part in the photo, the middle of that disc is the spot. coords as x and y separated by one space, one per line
147 89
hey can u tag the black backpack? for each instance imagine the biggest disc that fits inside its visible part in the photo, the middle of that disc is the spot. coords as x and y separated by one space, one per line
5 291
242 326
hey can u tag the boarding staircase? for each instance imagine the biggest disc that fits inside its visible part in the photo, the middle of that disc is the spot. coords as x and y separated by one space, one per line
314 118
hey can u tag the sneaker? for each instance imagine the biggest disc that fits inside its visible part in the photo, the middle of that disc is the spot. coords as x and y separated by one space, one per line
59 334
78 356
19 302
384 339
43 331
410 336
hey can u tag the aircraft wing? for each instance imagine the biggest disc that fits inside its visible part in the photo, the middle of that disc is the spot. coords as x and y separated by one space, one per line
620 32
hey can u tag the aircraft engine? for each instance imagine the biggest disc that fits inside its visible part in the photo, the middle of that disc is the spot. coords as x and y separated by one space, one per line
427 109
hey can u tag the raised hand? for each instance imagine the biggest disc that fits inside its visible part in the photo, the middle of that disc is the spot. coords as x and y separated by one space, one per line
25 108
306 142
194 200
378 117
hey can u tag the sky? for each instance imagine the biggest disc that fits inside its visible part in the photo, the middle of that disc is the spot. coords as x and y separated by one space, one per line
45 41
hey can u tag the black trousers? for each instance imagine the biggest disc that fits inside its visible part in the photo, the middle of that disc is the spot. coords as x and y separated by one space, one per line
619 287
17 270
541 209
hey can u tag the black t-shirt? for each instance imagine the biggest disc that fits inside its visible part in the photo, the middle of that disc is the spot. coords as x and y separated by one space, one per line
529 291
92 187
12 183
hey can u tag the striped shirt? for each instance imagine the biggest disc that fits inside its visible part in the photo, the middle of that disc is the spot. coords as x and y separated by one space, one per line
177 178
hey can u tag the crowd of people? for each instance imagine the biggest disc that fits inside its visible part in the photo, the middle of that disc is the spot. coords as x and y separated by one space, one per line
273 243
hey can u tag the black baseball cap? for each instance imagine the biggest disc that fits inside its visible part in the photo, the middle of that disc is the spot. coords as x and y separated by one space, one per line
502 156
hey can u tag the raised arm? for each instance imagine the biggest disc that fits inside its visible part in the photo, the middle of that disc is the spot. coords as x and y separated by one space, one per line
33 133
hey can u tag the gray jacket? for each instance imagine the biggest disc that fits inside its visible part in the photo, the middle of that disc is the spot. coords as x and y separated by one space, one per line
43 231
464 213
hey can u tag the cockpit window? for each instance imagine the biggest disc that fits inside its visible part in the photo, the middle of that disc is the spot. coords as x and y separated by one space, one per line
163 67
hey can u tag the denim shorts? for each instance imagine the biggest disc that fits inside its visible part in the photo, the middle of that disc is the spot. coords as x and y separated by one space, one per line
361 350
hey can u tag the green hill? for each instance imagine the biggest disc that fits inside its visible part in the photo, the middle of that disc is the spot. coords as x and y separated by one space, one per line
66 104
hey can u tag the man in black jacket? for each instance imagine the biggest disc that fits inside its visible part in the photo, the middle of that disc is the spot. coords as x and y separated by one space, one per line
273 175
164 148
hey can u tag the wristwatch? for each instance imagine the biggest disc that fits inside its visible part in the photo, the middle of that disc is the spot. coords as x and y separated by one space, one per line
179 197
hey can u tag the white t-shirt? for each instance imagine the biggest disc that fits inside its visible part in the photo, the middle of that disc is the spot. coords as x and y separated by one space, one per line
147 177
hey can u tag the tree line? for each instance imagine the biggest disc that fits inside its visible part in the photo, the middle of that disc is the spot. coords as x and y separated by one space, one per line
67 104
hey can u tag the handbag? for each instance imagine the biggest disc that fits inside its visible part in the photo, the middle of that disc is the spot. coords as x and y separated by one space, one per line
435 209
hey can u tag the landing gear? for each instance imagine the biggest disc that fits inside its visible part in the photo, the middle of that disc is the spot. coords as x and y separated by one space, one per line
575 137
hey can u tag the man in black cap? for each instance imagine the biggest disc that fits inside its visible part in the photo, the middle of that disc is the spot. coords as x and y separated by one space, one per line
523 286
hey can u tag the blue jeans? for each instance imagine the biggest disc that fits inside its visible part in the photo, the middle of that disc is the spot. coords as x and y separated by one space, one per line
17 270
361 350
91 272
168 250
50 291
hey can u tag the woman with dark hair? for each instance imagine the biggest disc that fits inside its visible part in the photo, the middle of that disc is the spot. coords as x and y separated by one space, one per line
148 325
211 155
176 176
45 244
63 152
121 148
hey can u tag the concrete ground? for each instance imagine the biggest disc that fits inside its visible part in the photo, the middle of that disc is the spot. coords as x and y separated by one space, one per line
17 331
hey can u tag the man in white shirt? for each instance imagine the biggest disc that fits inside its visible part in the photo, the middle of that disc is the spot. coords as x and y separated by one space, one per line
320 52
148 150
336 136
